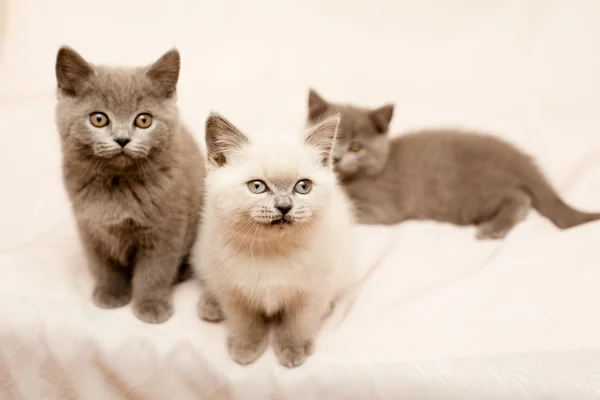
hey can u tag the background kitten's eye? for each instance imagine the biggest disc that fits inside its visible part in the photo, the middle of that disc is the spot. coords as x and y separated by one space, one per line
143 121
99 119
303 187
355 147
257 186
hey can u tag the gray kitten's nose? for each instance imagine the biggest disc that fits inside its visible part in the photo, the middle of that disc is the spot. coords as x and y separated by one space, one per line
122 141
284 209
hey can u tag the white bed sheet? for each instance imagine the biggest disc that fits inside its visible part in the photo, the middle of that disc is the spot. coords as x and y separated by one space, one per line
438 315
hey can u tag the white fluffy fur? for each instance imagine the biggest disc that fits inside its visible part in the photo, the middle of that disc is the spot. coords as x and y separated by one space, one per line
295 268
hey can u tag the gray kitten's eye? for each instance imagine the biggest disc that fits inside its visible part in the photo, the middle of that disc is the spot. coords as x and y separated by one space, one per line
98 119
143 120
355 147
257 186
303 187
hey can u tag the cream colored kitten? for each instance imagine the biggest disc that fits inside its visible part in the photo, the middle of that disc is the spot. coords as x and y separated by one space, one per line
276 243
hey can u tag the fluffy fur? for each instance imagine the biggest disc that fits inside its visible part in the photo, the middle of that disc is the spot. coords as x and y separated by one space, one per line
136 191
446 175
276 256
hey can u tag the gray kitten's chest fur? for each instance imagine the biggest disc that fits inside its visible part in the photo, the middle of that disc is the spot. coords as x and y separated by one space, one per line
134 176
120 202
120 211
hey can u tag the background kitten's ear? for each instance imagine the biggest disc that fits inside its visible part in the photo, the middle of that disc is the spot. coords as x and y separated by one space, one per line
164 73
316 106
222 137
382 117
72 72
322 136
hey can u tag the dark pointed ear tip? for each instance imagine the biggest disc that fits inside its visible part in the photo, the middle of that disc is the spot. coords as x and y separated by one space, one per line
213 118
313 93
173 52
212 115
65 51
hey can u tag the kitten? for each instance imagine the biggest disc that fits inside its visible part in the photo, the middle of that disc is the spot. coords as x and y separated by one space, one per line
133 174
446 175
276 244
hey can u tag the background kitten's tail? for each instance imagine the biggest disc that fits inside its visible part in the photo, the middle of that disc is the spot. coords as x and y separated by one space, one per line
548 203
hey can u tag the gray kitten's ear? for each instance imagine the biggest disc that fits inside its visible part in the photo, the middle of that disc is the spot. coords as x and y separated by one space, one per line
382 117
322 136
316 106
72 72
222 138
164 73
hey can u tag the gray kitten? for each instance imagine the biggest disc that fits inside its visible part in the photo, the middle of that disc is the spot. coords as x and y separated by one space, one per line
134 176
451 176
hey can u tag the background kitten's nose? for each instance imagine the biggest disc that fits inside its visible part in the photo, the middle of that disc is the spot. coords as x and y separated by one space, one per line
336 160
284 209
122 141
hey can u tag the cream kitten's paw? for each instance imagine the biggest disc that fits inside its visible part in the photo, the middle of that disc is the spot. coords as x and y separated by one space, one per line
111 297
244 349
209 309
293 354
153 311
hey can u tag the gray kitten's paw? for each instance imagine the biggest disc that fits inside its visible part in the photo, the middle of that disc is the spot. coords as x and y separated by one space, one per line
489 231
153 311
111 298
245 350
291 354
209 309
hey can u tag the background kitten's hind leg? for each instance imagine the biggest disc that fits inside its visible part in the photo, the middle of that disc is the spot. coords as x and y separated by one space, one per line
209 308
512 209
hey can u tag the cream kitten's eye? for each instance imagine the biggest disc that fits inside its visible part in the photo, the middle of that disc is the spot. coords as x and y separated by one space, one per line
303 187
355 147
143 121
98 119
257 186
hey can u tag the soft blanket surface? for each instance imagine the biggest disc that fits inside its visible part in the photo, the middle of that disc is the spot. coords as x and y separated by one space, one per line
436 314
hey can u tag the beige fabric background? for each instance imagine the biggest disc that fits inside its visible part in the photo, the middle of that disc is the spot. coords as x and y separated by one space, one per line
438 315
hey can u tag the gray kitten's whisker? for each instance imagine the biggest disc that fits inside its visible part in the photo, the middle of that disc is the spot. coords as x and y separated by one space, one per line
448 175
134 223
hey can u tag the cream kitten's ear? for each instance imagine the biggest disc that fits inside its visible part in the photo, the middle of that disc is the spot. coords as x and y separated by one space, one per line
316 106
382 117
222 138
164 73
322 136
72 72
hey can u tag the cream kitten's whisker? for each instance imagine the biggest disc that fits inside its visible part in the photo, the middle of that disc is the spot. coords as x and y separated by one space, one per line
284 251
